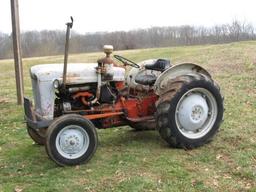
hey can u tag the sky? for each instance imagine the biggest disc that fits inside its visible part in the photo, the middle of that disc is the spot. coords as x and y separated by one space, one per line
115 15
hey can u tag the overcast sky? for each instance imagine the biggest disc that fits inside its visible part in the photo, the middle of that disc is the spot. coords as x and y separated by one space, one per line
113 15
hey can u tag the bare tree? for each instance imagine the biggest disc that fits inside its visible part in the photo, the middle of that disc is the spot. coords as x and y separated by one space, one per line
39 43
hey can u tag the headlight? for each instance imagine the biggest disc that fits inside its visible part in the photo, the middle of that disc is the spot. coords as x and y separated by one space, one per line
56 83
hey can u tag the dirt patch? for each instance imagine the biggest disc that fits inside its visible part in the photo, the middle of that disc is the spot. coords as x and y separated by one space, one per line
4 100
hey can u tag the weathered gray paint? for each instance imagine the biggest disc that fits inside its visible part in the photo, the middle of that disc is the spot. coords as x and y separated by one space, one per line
175 71
43 76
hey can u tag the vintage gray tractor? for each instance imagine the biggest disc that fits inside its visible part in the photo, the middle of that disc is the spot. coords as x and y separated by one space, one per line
182 102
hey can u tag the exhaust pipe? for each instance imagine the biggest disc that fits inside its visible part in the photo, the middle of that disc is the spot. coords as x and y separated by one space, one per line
98 71
69 26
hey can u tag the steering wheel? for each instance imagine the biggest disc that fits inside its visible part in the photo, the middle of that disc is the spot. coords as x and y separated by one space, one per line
126 61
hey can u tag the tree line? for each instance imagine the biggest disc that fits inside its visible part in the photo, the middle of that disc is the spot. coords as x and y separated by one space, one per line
44 43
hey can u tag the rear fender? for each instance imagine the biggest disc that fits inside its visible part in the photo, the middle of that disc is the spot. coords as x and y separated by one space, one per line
161 84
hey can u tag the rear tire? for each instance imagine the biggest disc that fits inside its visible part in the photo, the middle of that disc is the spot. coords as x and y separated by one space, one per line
189 115
71 140
38 136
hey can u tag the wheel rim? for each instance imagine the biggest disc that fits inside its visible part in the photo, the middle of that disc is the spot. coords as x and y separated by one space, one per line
72 142
196 113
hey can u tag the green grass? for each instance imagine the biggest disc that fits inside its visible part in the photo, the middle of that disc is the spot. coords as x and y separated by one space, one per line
140 161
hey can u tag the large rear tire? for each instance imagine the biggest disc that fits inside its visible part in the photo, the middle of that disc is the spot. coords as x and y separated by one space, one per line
71 140
190 113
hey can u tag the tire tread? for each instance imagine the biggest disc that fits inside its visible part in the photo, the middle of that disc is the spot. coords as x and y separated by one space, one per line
165 103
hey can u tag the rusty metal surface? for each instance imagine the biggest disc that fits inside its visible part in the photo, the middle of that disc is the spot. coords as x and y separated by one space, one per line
108 49
140 119
103 115
106 60
69 26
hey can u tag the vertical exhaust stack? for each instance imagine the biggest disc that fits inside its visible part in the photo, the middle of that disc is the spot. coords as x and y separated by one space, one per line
69 26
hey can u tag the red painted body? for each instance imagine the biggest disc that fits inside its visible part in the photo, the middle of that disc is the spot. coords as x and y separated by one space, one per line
133 109
130 109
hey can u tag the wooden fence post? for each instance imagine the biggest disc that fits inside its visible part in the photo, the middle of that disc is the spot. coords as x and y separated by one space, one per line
17 51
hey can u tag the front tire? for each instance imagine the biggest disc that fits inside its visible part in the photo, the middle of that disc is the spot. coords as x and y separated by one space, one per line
189 115
38 136
71 140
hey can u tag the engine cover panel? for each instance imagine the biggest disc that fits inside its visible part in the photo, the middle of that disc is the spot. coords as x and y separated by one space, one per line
77 73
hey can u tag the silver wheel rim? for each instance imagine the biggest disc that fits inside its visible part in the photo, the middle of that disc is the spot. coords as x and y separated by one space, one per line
72 142
196 113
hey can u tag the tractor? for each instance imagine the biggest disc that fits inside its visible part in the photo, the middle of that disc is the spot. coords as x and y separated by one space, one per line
182 102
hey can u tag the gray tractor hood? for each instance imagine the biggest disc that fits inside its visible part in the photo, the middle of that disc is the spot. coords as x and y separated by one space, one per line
76 73
43 76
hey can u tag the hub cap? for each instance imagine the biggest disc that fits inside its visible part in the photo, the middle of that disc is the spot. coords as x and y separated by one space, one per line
72 141
196 113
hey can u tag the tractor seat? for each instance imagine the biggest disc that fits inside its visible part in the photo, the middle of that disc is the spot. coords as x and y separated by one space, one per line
146 79
159 65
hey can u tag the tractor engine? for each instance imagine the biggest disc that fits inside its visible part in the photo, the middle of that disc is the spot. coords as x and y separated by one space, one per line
104 91
84 97
87 85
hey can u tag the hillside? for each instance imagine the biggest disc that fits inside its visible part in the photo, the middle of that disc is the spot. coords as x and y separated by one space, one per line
140 161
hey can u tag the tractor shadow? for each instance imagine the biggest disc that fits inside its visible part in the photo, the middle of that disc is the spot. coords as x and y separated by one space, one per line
130 137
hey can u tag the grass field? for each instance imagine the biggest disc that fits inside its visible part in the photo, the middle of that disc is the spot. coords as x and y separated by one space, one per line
140 161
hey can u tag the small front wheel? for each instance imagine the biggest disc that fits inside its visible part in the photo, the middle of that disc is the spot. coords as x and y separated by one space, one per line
38 136
71 140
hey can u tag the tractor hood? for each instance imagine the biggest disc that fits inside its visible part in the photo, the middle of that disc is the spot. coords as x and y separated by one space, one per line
77 73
